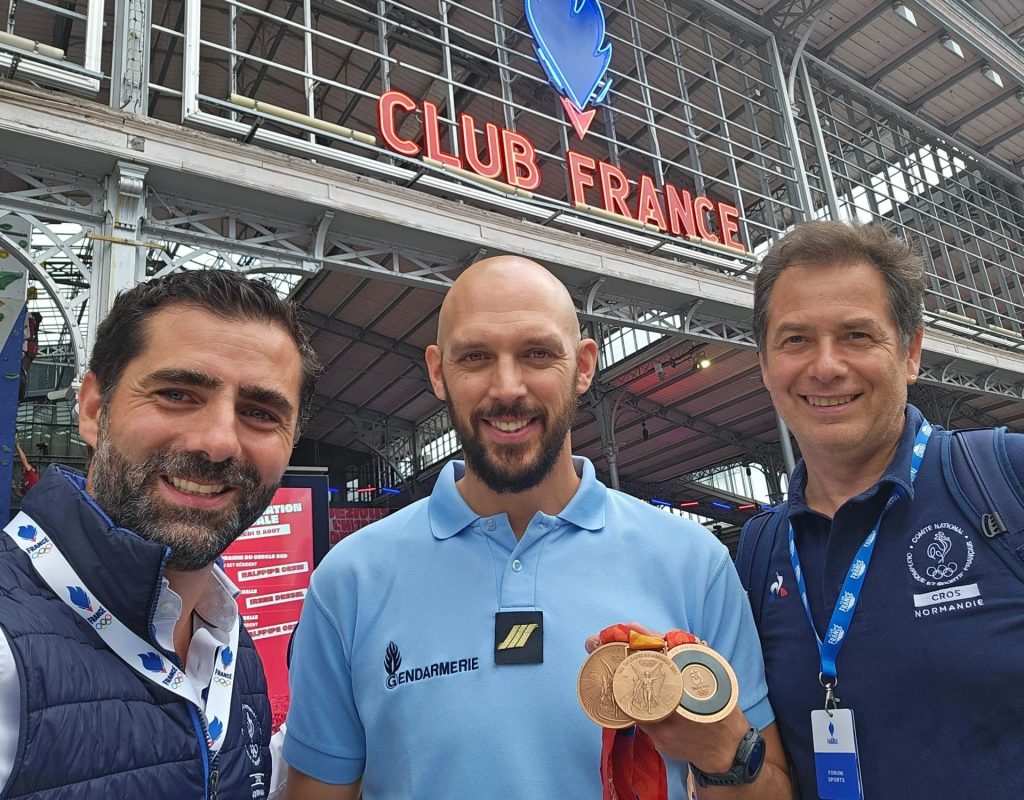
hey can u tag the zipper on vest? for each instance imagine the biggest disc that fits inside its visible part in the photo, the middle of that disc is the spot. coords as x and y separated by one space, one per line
214 778
204 748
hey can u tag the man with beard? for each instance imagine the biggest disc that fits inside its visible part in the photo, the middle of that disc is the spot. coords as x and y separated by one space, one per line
438 649
124 668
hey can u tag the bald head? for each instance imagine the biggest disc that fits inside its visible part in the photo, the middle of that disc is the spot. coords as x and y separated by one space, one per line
507 287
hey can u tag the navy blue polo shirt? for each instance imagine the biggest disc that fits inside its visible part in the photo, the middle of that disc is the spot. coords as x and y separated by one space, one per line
933 663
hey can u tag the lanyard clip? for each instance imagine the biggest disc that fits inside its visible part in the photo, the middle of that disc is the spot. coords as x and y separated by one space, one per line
829 683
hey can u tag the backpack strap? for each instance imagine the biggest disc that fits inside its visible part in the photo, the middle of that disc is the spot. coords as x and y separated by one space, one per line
754 555
981 479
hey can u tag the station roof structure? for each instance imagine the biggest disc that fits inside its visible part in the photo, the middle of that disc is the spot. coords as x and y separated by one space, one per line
396 237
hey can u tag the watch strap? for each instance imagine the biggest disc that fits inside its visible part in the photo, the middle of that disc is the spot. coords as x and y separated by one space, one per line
739 774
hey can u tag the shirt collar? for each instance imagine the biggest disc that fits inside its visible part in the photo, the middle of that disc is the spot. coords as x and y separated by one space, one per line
896 474
217 609
450 514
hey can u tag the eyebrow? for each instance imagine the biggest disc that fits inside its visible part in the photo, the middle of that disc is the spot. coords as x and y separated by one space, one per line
858 323
549 342
202 380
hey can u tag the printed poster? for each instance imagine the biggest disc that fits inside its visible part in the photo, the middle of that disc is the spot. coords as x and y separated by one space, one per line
271 563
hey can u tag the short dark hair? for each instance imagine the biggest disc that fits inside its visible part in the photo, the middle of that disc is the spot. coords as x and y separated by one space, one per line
828 244
121 336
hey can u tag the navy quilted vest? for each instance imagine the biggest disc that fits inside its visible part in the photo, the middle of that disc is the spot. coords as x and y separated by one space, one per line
91 727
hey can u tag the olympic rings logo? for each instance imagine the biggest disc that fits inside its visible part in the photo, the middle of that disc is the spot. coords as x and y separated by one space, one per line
222 681
103 622
42 551
179 678
942 571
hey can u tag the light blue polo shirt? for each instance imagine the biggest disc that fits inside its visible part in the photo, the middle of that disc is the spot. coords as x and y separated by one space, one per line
393 675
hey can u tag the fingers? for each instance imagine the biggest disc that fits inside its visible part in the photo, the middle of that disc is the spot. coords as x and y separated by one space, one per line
593 642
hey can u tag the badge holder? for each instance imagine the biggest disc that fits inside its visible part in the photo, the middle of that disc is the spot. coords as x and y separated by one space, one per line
836 761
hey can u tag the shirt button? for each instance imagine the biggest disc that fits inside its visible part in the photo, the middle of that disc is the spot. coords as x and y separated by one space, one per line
166 608
517 566
490 525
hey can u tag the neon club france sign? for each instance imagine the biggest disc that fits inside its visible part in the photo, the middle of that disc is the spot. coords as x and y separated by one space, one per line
569 40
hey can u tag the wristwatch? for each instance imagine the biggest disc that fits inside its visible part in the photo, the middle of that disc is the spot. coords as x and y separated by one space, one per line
745 766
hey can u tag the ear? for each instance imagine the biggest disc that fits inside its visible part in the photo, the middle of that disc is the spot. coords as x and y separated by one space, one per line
433 359
90 404
586 364
914 355
764 370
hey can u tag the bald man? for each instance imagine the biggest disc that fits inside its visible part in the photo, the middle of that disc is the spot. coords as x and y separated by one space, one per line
438 649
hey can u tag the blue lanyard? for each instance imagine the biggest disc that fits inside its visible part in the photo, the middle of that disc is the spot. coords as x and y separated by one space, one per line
842 614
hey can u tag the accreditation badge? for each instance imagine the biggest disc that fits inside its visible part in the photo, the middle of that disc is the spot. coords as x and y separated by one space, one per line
835 755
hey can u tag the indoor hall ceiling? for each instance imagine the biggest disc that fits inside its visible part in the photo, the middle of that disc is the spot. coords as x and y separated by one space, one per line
371 334
908 64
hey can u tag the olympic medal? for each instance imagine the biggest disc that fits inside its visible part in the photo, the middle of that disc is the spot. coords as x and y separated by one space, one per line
647 686
594 686
709 686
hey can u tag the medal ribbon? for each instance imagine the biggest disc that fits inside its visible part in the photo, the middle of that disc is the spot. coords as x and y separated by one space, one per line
55 570
842 614
631 767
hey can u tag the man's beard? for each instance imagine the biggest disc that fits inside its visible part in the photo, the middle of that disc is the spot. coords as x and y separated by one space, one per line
128 492
503 467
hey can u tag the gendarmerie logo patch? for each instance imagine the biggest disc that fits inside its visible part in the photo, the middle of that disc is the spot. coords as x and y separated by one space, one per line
940 554
519 637
397 676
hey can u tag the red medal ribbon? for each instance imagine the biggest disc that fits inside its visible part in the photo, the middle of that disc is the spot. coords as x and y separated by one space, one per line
631 767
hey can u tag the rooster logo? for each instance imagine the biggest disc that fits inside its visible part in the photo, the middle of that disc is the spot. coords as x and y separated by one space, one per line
777 589
153 662
79 597
27 532
937 550
571 48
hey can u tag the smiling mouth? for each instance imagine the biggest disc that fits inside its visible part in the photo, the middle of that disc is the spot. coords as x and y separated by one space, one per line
830 402
186 486
509 425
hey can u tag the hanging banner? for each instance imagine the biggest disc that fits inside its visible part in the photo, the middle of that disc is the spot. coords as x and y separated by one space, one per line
13 291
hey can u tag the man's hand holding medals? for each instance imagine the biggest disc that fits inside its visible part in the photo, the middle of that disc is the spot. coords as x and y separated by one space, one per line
682 697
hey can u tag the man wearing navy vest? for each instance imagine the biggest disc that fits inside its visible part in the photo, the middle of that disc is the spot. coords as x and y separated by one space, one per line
125 671
892 627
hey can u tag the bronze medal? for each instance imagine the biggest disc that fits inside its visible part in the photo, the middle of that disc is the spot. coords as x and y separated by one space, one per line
594 686
647 686
710 690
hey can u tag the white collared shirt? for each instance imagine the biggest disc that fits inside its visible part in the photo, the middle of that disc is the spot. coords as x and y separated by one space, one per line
212 619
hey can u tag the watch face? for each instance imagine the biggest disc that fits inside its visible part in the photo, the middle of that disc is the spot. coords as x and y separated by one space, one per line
756 756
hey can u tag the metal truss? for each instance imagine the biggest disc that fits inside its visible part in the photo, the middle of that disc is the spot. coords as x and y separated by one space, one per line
689 321
990 383
749 448
61 212
788 16
52 195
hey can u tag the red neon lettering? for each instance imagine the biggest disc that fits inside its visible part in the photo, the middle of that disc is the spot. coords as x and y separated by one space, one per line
701 205
581 175
614 189
727 216
432 138
386 106
490 168
680 211
520 155
648 207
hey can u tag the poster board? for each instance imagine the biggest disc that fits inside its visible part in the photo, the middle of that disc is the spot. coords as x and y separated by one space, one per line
271 564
